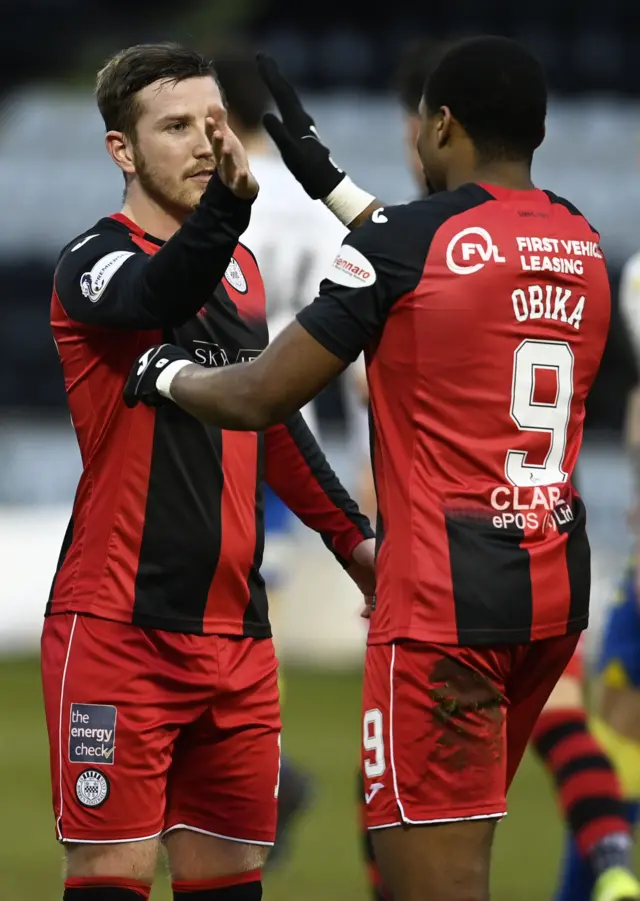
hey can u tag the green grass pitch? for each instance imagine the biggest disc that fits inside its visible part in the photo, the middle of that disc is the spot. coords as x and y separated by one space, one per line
322 733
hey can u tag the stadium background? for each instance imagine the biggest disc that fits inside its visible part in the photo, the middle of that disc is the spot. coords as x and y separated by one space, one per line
55 179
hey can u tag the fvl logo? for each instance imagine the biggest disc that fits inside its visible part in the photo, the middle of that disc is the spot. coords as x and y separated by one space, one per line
466 251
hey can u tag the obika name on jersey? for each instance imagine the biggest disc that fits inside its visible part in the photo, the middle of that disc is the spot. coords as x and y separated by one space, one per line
478 373
548 302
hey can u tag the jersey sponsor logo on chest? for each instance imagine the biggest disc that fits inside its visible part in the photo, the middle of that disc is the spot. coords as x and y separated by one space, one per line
208 353
470 250
235 276
541 254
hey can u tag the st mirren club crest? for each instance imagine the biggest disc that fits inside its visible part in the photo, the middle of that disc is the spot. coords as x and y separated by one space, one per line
92 788
235 276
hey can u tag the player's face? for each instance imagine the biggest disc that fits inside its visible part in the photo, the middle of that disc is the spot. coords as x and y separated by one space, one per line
432 150
172 151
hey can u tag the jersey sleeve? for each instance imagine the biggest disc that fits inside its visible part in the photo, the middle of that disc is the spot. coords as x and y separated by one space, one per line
377 264
630 301
105 280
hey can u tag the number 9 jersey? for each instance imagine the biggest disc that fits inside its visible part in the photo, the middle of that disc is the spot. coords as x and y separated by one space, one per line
483 313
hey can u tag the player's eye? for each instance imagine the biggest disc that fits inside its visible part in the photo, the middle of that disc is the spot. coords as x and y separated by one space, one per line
176 127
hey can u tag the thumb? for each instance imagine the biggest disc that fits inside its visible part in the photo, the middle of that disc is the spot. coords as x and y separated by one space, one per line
277 132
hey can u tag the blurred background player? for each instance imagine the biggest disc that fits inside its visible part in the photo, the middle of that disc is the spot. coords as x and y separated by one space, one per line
294 242
415 65
616 719
596 764
589 793
598 865
616 726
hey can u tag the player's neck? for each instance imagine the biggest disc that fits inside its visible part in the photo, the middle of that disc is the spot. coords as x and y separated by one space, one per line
148 215
515 176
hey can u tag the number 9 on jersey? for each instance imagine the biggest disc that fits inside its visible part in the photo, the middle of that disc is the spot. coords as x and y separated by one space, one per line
549 416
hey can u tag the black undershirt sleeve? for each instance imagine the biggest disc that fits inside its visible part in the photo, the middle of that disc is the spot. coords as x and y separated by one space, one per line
105 280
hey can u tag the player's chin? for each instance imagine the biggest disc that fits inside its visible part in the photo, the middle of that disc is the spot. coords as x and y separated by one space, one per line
189 197
195 188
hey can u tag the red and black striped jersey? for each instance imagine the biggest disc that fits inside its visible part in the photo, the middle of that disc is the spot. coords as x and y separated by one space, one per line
483 314
167 524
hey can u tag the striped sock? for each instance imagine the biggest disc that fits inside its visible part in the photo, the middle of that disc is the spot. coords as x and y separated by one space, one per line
577 878
588 787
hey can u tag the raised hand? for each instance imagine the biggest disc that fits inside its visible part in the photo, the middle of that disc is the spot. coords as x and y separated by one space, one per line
296 136
230 157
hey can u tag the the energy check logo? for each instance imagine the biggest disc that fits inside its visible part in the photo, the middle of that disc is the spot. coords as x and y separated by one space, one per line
92 734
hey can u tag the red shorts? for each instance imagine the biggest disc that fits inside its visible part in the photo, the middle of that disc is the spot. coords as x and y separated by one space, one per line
151 731
445 727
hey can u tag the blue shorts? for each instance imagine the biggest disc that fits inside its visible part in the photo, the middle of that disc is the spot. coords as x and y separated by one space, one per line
619 663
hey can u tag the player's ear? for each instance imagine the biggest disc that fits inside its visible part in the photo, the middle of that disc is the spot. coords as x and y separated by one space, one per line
444 124
120 149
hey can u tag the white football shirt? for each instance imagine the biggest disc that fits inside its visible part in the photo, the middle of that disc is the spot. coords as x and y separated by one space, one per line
294 239
630 300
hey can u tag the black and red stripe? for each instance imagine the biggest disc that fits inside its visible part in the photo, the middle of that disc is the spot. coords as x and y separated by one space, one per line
588 788
168 522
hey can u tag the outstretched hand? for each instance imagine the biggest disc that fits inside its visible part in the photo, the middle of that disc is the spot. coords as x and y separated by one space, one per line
296 136
231 160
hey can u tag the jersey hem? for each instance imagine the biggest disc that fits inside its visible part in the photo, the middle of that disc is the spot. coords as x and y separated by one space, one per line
183 626
474 637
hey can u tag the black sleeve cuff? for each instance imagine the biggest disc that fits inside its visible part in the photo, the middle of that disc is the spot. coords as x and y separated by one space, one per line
219 195
312 324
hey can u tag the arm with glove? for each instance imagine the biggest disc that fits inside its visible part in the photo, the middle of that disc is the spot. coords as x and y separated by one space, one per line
306 157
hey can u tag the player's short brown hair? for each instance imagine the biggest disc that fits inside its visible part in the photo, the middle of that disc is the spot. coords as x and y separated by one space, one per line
122 78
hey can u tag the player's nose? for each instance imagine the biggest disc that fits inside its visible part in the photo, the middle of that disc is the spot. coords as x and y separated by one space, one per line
202 148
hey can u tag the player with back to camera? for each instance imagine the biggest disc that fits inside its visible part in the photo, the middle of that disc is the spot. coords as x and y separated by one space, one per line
159 673
483 313
588 789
